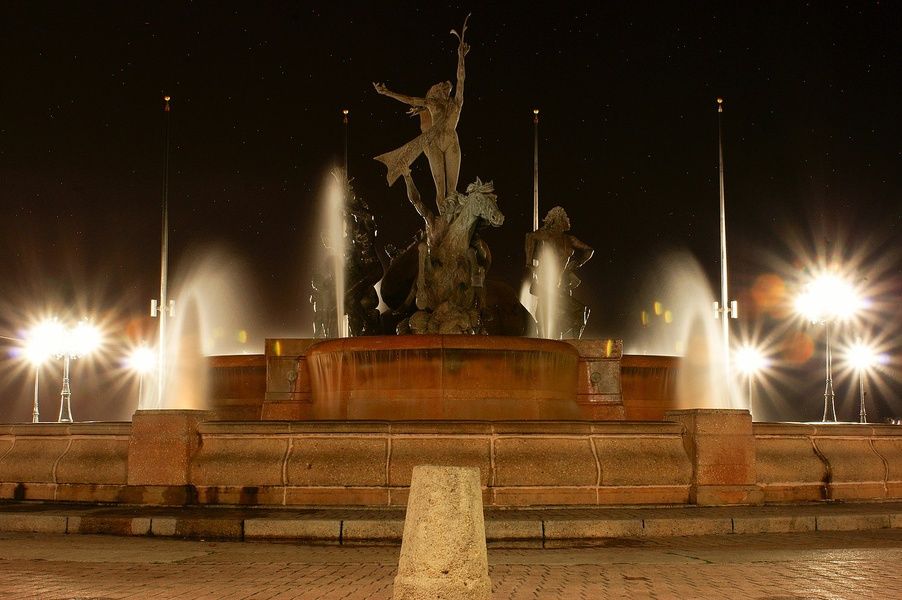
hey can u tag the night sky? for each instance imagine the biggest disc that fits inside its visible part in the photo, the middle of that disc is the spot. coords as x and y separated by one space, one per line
628 145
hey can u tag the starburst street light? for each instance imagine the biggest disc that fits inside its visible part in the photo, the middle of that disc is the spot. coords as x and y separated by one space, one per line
828 298
142 360
40 344
70 344
749 361
863 358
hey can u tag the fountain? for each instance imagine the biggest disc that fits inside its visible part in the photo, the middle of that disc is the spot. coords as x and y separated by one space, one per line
343 421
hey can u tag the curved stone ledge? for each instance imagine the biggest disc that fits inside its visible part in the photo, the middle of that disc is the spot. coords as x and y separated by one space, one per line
643 461
32 459
327 461
94 460
789 470
251 459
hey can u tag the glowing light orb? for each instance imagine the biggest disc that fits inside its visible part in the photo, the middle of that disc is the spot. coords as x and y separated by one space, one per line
142 360
826 298
749 360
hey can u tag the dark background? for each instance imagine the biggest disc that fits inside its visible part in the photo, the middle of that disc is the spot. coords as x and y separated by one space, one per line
627 145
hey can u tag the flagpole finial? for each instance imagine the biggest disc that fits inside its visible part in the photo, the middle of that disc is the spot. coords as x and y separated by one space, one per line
166 100
719 104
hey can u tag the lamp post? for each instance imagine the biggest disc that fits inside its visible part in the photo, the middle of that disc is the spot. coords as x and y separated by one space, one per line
827 298
862 358
749 360
39 344
73 343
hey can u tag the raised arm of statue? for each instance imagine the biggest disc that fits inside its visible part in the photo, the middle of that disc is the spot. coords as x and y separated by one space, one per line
462 49
409 100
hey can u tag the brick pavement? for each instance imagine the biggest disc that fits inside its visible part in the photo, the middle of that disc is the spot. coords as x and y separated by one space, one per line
853 564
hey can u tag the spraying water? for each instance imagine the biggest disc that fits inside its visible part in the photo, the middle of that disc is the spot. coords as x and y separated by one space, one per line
675 318
548 281
209 319
334 245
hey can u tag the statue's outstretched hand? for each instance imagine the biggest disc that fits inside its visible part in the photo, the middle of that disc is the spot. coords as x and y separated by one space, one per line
380 87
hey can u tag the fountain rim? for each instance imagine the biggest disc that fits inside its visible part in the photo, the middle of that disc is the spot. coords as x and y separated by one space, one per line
441 342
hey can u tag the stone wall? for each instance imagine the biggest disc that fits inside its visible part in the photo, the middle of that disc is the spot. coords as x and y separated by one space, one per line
370 463
698 457
78 462
800 462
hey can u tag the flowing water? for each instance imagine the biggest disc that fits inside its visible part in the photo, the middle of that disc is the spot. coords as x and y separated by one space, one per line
676 318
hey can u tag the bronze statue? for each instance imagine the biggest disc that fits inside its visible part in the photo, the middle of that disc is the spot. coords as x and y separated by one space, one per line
439 113
559 315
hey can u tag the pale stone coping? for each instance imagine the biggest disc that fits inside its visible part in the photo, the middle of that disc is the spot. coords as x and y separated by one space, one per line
832 430
544 428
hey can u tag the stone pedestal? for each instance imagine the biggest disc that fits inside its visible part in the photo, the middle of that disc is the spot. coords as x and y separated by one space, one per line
721 447
443 553
287 380
161 446
599 393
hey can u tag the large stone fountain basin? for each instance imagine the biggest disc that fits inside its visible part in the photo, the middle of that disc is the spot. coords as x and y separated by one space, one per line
443 377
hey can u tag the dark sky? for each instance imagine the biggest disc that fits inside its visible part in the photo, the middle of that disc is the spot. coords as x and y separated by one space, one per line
627 143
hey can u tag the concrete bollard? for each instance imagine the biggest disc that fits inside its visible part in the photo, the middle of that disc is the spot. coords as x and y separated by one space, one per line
443 553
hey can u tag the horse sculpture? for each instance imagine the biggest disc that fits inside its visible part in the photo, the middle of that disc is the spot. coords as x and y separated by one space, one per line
452 261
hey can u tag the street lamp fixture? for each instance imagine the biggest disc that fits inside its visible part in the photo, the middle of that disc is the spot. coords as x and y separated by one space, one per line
863 358
40 342
828 298
749 361
141 361
71 344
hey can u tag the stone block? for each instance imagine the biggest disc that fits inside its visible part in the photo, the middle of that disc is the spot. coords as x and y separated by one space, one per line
544 496
407 452
641 461
241 495
284 410
604 348
856 470
597 407
163 526
598 377
371 530
337 461
246 460
643 494
32 523
162 445
32 458
783 460
109 525
774 524
89 492
513 529
679 526
544 461
337 496
218 529
95 460
890 449
443 551
847 522
587 529
721 448
320 530
718 495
